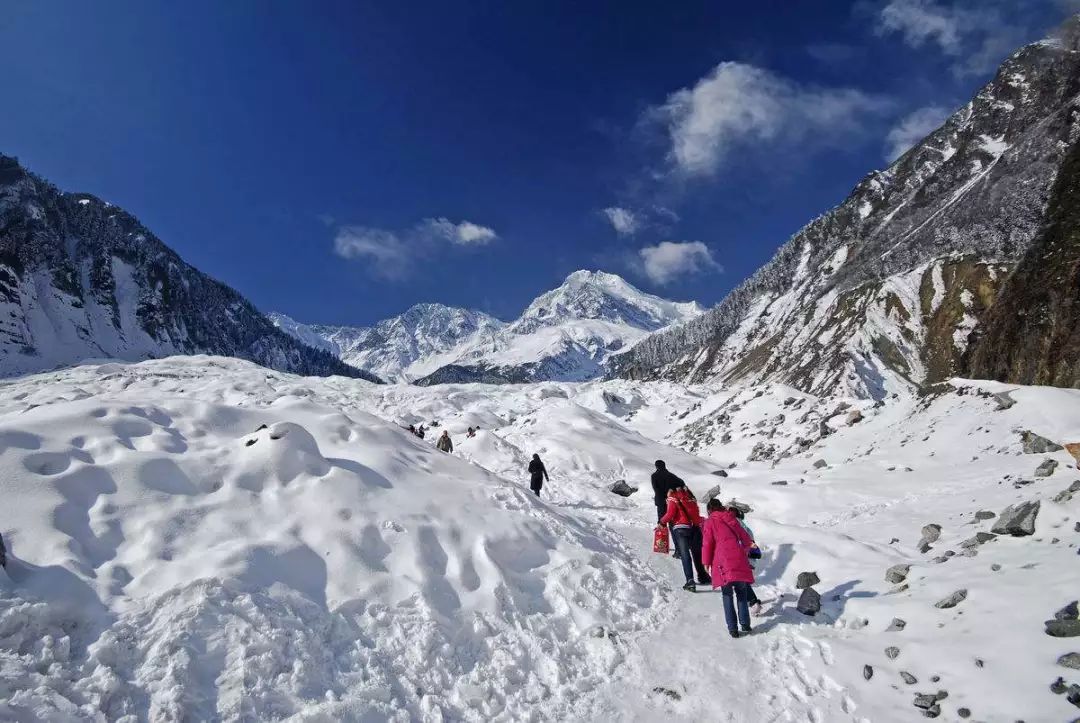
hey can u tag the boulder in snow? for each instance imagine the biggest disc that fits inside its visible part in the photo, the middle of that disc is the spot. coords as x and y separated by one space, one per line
622 489
720 473
761 452
892 652
930 533
1069 612
984 515
908 678
867 672
1070 660
952 600
1063 628
1017 520
806 579
1034 444
809 602
854 417
979 539
1004 401
820 464
1046 468
896 625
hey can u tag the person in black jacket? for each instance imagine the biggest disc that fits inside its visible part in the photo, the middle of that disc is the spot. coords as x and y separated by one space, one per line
663 482
537 473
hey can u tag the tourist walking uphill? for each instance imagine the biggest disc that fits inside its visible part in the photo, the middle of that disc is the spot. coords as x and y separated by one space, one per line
537 474
685 519
725 548
444 443
663 482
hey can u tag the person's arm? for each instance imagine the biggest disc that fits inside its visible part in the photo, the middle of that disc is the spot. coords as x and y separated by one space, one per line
707 544
543 468
740 534
669 515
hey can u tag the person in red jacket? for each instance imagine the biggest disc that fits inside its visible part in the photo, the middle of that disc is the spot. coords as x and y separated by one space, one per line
725 546
685 520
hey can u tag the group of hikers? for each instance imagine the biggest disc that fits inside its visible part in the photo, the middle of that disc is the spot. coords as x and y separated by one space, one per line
444 442
718 548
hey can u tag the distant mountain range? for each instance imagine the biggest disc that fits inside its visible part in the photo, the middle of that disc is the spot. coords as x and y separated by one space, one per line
81 278
960 259
565 334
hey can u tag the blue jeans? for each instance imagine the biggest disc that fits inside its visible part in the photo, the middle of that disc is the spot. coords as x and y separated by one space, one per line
736 592
688 543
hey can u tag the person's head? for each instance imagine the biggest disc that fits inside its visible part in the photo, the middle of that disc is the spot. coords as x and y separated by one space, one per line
445 433
715 505
536 457
660 464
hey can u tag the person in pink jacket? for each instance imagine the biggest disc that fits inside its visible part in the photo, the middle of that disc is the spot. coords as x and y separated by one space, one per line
724 550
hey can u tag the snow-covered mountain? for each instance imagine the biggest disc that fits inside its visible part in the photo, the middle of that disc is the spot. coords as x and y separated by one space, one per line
888 290
397 348
81 278
565 334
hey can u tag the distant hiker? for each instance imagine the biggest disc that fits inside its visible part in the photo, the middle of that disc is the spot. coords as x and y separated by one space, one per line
754 553
420 431
537 474
471 433
725 549
663 482
412 428
444 443
685 519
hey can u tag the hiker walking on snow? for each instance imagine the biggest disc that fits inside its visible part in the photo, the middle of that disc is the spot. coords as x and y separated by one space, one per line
444 443
537 474
663 482
685 519
726 545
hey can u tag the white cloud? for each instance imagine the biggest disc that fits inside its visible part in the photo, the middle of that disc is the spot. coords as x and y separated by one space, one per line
390 257
465 233
624 221
740 104
922 21
911 129
669 260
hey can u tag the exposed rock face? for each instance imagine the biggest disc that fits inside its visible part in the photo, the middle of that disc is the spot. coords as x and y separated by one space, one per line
1017 520
883 292
81 278
1034 444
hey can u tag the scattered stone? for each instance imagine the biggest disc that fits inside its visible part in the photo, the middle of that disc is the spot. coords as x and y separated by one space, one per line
761 452
740 506
984 515
979 539
806 579
925 700
952 600
940 559
1073 695
995 567
899 589
867 672
908 677
820 464
1069 612
780 483
897 574
661 690
896 625
809 602
892 652
930 533
854 417
963 712
1058 686
935 678
895 540
1004 401
622 489
924 546
1046 468
1017 520
1034 444
1063 628
1070 660
720 473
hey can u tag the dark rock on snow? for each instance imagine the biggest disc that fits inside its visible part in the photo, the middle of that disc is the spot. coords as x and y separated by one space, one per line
867 672
984 515
897 574
892 652
1070 660
1034 444
1017 520
806 579
952 600
1063 628
622 489
979 539
1046 468
1069 612
820 464
908 678
809 602
896 625
720 473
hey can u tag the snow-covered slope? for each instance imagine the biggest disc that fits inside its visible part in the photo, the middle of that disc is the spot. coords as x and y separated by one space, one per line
398 348
82 279
884 292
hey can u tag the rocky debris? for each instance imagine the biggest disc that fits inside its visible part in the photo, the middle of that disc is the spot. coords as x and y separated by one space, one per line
892 652
780 483
930 533
1046 468
673 694
867 672
1034 444
762 452
740 506
720 473
809 602
823 429
622 489
1017 520
963 712
980 538
896 625
1063 628
1069 612
897 574
1067 494
1004 401
924 546
1070 660
952 600
908 678
984 515
1073 695
995 567
1058 686
806 579
854 417
820 464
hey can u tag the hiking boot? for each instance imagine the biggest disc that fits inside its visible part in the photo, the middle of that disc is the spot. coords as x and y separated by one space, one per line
746 631
690 587
733 633
756 610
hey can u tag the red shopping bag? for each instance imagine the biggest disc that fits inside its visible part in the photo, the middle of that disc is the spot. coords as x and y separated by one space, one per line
660 540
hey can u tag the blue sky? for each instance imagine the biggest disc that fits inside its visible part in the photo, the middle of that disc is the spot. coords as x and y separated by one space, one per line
339 161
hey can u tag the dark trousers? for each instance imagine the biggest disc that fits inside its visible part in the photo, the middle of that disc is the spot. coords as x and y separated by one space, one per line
688 543
751 596
661 509
536 483
735 595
